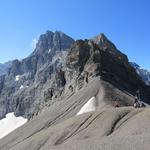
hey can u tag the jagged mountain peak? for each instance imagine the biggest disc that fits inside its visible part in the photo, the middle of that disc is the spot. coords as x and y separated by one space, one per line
101 36
54 32
103 42
61 33
53 41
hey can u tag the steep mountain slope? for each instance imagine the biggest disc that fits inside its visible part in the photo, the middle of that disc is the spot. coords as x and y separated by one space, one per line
59 127
144 74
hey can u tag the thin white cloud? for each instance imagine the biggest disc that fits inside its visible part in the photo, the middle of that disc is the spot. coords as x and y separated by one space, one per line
34 42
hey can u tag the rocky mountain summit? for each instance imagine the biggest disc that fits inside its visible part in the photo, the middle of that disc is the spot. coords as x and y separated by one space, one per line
57 67
58 85
143 73
22 88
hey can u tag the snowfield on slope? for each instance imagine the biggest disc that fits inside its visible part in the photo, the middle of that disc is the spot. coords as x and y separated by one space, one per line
89 106
10 123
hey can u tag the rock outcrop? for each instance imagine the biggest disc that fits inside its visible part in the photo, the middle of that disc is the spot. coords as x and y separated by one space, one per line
109 63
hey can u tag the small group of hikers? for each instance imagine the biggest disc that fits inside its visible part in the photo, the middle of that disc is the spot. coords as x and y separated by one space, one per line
138 103
116 103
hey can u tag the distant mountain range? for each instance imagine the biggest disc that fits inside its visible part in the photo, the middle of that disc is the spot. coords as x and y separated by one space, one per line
143 73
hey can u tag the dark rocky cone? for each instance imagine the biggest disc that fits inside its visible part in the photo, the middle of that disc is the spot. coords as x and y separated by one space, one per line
109 63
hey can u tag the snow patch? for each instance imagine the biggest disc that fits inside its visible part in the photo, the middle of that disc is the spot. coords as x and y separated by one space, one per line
21 87
18 77
89 106
10 123
49 51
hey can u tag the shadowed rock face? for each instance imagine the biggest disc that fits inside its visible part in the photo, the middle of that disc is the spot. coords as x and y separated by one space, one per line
110 64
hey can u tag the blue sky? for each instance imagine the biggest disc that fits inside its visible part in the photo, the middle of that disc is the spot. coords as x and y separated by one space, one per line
124 22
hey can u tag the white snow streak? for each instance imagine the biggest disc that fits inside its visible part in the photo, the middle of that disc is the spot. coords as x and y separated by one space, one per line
18 77
21 87
49 51
89 106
